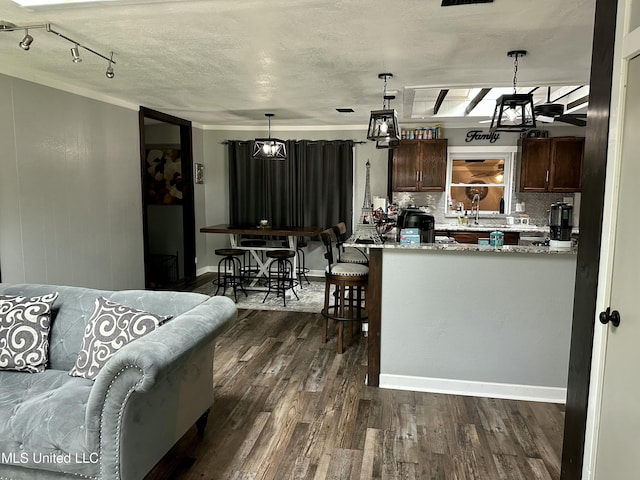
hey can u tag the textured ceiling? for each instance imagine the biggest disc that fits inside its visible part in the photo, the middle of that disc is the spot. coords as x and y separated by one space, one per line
227 62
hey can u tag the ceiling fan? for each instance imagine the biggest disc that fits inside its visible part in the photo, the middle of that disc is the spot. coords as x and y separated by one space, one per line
549 112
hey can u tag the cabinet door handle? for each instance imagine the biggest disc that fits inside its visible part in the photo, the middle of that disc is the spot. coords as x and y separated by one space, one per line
547 178
417 176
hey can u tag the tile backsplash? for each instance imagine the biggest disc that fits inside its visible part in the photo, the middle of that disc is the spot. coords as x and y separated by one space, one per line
537 205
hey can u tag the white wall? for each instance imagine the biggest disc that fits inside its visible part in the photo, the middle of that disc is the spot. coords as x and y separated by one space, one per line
70 199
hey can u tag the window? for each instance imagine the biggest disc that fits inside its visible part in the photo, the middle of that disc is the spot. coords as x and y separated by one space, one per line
479 175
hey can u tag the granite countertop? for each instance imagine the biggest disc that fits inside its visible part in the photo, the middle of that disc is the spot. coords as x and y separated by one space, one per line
456 227
466 247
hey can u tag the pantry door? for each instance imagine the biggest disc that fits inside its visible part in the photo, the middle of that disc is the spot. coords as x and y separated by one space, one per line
618 452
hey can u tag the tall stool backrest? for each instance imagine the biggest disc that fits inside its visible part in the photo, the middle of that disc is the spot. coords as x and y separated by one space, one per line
327 240
350 254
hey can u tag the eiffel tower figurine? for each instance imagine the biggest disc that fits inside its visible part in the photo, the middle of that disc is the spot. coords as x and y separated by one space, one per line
365 231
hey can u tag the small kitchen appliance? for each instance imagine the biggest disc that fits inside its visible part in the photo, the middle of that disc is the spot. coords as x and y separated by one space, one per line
418 218
560 226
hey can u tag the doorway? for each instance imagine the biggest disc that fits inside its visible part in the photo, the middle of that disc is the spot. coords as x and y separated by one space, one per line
168 210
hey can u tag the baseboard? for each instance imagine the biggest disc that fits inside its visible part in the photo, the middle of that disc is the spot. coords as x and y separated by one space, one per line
474 389
203 270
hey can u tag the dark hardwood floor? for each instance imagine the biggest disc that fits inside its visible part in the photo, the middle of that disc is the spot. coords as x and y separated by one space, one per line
288 407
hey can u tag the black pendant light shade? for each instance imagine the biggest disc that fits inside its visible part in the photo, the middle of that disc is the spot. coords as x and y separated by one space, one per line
514 113
383 124
269 148
388 143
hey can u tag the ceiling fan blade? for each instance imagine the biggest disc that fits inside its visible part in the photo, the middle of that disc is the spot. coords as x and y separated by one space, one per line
544 119
572 120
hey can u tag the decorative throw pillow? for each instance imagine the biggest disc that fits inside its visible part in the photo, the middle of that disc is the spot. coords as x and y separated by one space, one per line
110 328
24 332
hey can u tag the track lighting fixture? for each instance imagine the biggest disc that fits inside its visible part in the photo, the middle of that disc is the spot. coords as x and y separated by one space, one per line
27 40
109 73
75 54
271 148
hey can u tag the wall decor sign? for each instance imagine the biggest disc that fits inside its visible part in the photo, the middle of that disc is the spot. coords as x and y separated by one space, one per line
478 135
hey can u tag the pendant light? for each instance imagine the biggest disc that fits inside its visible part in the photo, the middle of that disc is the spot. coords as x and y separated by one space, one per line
269 148
514 113
383 124
388 143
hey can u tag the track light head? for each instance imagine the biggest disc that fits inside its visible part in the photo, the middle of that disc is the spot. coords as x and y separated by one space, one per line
26 42
75 54
109 73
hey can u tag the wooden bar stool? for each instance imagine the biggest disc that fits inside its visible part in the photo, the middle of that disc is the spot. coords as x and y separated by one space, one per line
349 282
229 271
347 254
281 280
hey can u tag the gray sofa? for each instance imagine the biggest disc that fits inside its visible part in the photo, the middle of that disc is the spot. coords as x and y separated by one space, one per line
53 425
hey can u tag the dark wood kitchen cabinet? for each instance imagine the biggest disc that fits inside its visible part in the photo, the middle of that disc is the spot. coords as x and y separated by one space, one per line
551 164
420 166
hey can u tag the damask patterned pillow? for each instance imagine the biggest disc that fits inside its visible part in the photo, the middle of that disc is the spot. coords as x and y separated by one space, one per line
111 327
24 332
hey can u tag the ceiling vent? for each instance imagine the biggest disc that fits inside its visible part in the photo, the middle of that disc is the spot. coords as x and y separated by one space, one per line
449 3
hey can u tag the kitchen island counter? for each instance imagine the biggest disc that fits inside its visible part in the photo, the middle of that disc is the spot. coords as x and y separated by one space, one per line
467 247
470 320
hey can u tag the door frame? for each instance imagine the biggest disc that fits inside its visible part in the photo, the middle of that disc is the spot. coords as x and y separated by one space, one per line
188 199
627 46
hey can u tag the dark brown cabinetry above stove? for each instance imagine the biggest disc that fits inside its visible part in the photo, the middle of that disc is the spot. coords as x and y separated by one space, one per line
551 164
419 166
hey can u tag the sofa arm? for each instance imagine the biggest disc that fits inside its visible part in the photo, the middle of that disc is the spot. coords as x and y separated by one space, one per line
154 355
149 368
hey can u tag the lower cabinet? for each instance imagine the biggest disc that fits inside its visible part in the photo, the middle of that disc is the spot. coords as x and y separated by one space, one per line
510 238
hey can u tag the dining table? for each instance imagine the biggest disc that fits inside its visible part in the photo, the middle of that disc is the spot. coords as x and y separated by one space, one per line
235 232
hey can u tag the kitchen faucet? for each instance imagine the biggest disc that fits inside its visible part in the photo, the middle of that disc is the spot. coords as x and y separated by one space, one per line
473 200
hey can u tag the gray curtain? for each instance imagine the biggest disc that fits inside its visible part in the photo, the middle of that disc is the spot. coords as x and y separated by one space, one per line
313 186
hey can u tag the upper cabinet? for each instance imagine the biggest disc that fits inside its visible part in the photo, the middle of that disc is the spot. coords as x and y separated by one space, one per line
420 166
551 164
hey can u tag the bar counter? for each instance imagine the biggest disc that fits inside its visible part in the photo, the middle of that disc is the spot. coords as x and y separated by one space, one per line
470 320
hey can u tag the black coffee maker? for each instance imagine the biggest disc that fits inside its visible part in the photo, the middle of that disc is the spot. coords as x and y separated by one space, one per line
560 226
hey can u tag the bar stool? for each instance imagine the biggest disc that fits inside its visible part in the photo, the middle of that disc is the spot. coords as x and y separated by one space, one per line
350 283
347 254
229 271
301 270
249 268
281 280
